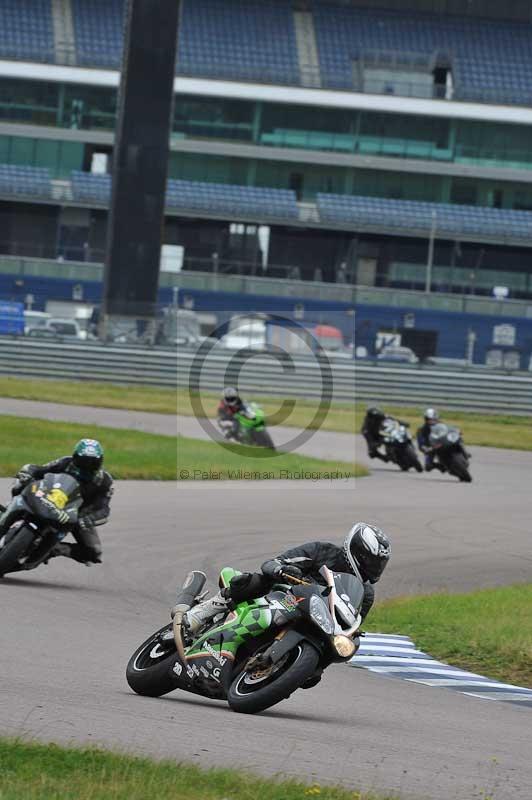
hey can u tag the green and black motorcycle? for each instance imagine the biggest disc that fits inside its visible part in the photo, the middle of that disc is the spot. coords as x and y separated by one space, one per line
251 428
259 653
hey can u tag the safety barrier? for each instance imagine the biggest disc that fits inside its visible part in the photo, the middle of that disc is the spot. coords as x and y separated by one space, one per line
262 374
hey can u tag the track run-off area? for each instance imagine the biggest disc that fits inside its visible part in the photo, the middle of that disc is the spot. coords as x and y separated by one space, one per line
68 630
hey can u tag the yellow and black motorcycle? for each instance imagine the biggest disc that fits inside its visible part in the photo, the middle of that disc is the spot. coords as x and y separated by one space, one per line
36 519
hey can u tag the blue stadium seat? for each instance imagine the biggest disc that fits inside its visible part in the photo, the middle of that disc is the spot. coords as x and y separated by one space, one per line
232 199
492 61
91 188
216 39
211 198
412 216
26 30
223 39
98 29
25 181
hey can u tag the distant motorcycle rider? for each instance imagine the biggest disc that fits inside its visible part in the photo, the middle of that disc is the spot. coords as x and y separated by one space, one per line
371 431
365 552
230 404
96 487
431 418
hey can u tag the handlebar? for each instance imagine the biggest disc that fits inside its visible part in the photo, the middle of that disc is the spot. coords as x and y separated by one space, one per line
294 580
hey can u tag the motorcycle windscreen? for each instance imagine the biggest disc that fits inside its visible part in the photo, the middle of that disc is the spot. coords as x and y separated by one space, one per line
52 492
349 588
438 432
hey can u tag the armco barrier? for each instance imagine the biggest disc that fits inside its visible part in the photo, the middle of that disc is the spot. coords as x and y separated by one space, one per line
94 362
475 390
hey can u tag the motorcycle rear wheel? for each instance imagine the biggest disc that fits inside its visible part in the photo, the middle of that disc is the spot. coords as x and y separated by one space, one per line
249 694
149 669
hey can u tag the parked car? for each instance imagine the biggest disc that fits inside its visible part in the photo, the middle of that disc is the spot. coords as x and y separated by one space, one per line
402 355
56 328
67 328
35 319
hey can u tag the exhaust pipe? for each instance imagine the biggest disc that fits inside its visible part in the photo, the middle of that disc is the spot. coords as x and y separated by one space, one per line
194 583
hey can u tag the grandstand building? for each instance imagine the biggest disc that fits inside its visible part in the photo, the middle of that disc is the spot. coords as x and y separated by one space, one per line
325 140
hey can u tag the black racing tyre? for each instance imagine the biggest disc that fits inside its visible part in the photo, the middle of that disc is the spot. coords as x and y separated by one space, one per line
458 467
263 439
249 695
149 669
412 459
14 549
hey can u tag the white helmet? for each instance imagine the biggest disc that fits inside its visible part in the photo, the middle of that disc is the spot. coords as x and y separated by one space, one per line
431 416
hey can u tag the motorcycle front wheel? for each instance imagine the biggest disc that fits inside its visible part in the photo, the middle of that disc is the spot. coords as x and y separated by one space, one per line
412 460
263 439
255 690
16 545
149 669
458 467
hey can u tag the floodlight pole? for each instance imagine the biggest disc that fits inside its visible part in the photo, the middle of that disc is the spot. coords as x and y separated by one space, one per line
430 255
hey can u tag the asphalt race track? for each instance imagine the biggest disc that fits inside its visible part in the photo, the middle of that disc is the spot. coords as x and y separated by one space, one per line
68 630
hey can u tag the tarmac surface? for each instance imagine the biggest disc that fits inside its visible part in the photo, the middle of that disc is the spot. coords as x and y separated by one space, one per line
67 631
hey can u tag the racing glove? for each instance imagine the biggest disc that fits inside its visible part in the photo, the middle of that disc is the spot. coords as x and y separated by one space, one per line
23 476
274 569
86 521
63 517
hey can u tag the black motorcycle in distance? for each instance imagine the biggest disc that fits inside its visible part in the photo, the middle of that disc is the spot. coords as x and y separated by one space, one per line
398 444
37 519
449 451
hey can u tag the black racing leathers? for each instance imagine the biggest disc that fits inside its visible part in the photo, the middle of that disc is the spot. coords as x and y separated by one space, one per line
371 431
94 511
423 441
309 558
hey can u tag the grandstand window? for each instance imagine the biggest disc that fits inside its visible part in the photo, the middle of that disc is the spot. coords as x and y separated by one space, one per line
89 107
217 118
280 125
464 192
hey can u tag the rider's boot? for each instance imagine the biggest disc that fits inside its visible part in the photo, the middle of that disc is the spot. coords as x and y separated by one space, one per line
196 617
76 552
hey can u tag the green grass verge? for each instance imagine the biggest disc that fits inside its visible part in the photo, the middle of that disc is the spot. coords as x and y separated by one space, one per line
490 430
198 460
488 631
142 456
48 772
87 393
128 454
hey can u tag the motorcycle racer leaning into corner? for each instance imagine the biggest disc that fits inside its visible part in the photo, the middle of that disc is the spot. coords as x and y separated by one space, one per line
230 404
96 487
371 431
431 417
365 552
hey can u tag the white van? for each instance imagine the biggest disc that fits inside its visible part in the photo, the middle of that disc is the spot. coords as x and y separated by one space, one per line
35 319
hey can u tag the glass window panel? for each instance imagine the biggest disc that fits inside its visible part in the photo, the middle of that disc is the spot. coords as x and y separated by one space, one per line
47 154
70 157
22 151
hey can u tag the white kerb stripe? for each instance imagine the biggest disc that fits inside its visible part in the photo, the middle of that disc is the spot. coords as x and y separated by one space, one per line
481 682
408 668
366 640
391 649
513 696
363 660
